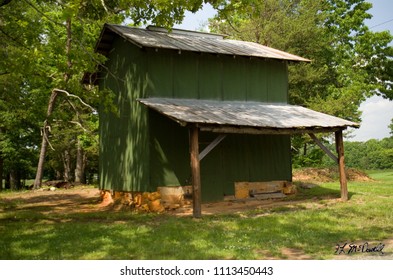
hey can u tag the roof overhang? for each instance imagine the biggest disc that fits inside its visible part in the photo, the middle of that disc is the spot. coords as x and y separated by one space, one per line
191 41
183 41
246 117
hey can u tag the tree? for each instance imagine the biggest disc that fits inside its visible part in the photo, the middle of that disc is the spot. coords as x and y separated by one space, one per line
391 127
349 62
46 46
160 12
19 100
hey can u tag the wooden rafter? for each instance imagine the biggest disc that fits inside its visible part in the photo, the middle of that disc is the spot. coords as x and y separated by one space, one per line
323 147
211 146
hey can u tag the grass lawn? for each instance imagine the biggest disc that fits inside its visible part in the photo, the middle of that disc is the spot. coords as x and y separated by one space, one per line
304 229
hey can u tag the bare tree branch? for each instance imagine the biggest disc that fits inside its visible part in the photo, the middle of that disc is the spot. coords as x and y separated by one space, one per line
74 96
103 4
80 125
74 122
46 126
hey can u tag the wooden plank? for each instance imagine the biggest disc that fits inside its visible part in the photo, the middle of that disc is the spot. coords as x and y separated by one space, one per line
269 195
323 147
261 130
341 164
195 171
211 146
243 189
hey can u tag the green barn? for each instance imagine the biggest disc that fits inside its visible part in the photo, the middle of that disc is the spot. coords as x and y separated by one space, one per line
198 109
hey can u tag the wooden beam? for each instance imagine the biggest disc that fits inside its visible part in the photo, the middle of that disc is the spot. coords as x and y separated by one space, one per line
341 164
195 171
262 130
323 147
211 146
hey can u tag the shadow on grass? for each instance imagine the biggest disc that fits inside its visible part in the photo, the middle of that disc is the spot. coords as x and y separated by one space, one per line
257 234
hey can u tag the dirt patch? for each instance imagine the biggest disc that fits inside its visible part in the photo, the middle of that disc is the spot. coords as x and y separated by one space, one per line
87 199
76 200
328 175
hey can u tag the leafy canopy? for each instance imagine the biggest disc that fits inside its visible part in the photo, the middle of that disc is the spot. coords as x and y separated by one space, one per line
349 62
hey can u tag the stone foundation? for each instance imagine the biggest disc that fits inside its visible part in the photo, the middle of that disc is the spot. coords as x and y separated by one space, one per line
165 198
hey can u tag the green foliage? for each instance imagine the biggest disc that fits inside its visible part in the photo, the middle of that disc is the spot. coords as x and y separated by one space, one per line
369 155
47 45
349 62
373 154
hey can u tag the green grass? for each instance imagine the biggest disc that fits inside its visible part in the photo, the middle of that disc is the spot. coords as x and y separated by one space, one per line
313 227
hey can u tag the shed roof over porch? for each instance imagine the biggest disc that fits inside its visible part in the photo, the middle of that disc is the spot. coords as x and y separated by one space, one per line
247 117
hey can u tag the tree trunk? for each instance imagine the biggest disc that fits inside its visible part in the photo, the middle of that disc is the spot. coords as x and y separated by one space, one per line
15 180
67 166
80 164
1 172
7 181
44 143
1 166
52 99
58 174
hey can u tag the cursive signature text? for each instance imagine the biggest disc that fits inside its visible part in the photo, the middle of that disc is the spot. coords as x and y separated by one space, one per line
351 248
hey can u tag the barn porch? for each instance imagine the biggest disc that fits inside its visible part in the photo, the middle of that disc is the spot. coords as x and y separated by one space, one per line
245 117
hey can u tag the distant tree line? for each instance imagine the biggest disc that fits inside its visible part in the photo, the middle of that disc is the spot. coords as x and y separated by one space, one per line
368 155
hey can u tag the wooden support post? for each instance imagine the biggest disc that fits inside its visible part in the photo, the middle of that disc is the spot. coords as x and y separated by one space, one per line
341 164
195 171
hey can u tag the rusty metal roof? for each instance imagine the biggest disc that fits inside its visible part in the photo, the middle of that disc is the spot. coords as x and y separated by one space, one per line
183 40
246 116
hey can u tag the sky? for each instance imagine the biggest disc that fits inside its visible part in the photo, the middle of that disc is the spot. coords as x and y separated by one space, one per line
376 111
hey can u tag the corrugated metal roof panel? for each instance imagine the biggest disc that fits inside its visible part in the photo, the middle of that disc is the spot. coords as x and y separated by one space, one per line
183 40
244 114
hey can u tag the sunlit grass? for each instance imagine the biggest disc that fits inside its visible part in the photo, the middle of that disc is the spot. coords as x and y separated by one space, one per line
315 222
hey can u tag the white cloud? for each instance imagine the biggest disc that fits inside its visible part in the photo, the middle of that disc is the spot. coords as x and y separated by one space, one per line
376 116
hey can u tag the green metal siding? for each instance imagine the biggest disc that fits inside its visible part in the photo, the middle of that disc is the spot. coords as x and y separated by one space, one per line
185 85
141 150
169 152
210 81
205 76
159 73
124 137
257 84
249 158
277 81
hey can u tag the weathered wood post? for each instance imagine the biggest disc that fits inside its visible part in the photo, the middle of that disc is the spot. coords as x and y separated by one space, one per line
195 171
341 164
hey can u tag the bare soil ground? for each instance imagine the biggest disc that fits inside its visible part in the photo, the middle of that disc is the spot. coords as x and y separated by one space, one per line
328 175
87 199
73 200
